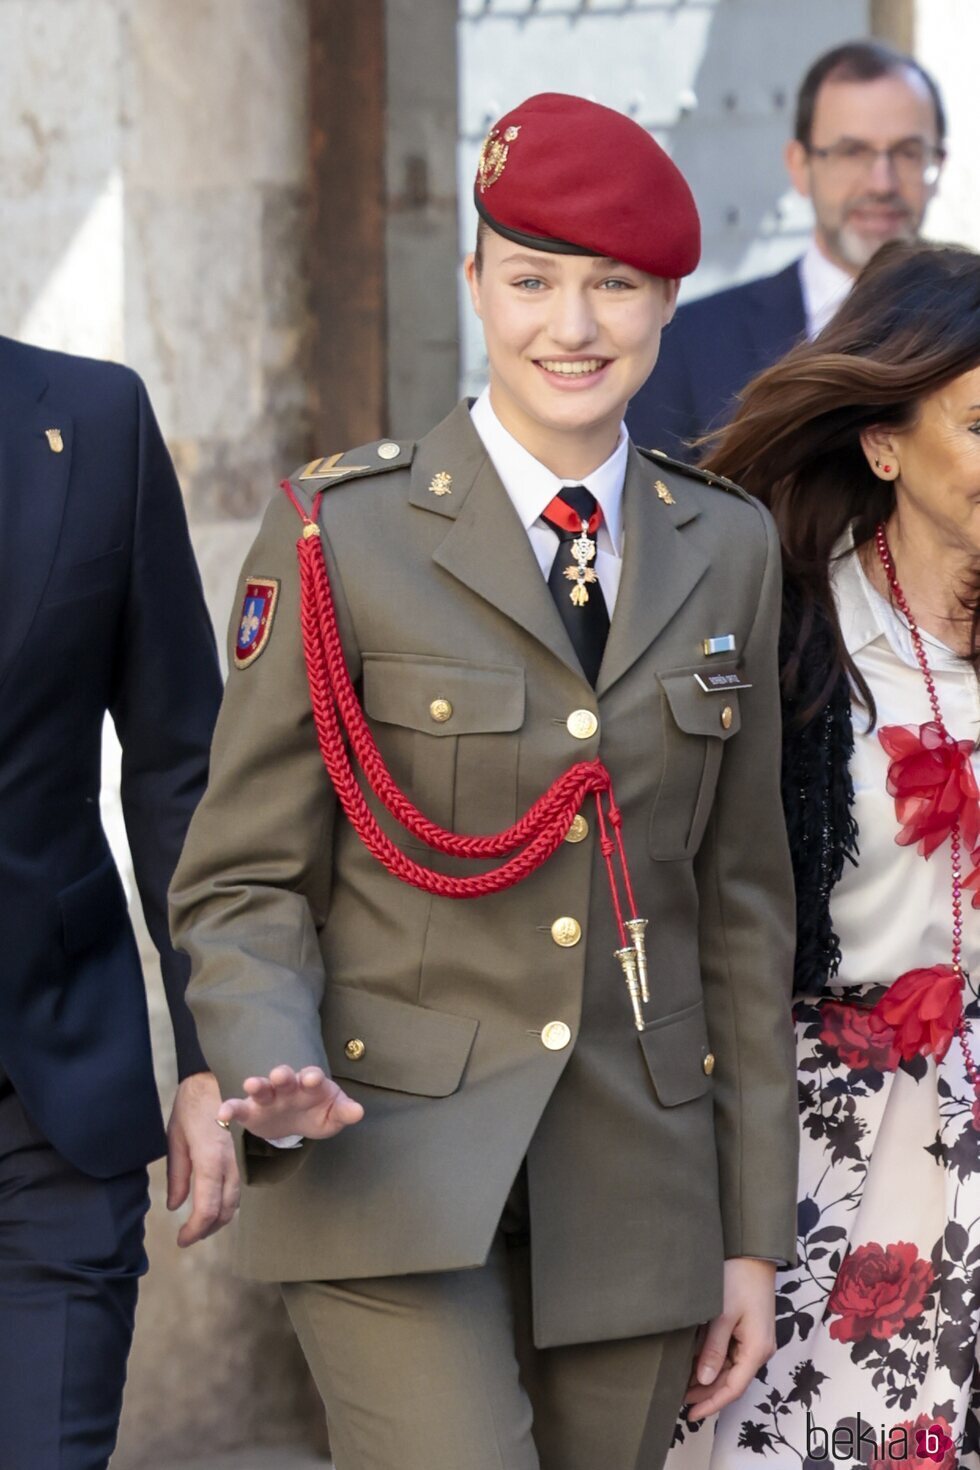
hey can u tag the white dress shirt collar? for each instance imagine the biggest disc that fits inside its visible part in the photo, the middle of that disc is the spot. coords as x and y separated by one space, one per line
824 285
531 485
866 616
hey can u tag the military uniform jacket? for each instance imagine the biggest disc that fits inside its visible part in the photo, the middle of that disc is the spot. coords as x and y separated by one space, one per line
645 1167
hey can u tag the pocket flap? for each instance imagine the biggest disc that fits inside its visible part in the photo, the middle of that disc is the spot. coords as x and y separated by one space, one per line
675 1049
404 689
697 712
92 907
386 1043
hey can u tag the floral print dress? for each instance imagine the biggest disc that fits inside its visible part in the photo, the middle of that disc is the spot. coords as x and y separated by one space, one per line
876 1366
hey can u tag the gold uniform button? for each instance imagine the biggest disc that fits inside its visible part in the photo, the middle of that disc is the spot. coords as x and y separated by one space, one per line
579 829
582 723
388 451
726 717
708 1064
566 932
556 1036
354 1049
441 710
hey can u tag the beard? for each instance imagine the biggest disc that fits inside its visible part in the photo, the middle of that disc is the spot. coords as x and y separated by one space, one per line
856 249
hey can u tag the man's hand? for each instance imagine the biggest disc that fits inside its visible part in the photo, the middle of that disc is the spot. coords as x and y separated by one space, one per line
307 1102
739 1341
200 1160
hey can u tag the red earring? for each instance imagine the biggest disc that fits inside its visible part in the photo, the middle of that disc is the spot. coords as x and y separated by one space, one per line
886 468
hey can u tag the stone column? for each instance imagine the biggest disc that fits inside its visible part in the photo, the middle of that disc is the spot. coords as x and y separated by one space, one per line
422 244
894 21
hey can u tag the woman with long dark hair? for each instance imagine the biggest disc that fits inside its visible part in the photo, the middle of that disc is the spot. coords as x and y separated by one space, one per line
865 445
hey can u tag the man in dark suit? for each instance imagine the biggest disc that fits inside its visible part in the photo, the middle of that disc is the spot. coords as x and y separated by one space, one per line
867 151
102 611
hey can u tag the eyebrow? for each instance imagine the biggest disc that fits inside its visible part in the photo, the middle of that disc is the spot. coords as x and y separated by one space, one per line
866 143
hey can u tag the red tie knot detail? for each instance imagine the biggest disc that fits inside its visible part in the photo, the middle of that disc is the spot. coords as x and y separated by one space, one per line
564 517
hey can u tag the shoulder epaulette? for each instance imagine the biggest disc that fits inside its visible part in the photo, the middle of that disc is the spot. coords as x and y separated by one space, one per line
707 477
370 459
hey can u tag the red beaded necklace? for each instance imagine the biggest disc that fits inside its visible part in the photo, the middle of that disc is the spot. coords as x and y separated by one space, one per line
936 797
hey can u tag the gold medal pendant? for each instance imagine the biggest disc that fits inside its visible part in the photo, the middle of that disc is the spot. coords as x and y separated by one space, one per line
583 550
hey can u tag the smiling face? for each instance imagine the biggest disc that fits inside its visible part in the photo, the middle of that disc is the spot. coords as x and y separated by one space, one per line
937 490
858 207
570 339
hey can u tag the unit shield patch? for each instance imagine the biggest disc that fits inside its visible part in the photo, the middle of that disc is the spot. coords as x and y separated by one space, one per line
258 607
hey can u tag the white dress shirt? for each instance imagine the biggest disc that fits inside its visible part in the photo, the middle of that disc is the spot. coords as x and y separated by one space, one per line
825 287
892 911
531 486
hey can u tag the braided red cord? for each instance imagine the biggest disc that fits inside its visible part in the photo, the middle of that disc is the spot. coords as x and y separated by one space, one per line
607 847
557 805
616 822
541 828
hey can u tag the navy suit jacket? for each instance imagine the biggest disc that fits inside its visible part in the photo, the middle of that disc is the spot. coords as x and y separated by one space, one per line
709 353
101 609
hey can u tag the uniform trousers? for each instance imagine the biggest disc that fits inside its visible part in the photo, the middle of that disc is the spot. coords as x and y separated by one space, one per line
439 1372
71 1255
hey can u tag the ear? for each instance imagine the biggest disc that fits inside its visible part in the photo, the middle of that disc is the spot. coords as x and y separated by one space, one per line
933 187
797 162
671 288
880 446
473 281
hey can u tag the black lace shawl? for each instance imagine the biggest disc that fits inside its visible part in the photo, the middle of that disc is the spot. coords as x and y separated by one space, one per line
818 792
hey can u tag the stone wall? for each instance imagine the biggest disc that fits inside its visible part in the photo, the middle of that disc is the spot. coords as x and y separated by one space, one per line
153 171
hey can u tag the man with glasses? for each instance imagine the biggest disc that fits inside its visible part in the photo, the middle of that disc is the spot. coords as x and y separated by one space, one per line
867 151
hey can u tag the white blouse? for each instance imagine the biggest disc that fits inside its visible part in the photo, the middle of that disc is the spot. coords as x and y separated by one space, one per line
892 912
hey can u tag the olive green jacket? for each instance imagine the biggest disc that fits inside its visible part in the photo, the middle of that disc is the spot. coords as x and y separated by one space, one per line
645 1166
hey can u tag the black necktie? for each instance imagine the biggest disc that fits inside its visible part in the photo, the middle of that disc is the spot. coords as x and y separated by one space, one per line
586 619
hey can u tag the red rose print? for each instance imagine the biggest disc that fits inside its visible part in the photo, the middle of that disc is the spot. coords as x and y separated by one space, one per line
878 1289
933 784
848 1029
930 1446
924 1008
971 883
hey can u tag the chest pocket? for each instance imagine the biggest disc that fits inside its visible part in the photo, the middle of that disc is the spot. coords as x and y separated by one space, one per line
448 732
696 726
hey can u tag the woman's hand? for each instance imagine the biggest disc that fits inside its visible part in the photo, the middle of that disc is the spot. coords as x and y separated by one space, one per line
286 1102
737 1342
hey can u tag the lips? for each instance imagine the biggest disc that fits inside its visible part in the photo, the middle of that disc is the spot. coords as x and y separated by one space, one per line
880 214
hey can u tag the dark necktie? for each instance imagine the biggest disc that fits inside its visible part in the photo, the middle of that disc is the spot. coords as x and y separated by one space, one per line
572 579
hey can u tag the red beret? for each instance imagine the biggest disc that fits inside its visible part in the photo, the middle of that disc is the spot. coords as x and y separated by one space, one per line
563 174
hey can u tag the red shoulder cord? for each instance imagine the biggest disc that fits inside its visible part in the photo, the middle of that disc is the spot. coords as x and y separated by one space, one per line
526 845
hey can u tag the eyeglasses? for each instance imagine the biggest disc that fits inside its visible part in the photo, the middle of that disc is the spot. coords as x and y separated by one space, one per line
911 160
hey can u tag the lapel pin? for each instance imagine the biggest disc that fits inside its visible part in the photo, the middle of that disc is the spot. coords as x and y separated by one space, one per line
441 483
664 493
55 442
724 643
